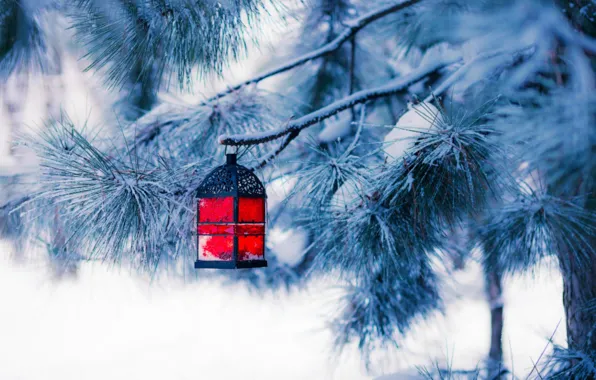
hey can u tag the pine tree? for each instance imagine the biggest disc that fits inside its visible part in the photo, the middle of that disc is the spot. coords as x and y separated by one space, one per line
396 122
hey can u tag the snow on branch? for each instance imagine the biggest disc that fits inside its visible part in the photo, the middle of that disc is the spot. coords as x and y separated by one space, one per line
353 27
297 125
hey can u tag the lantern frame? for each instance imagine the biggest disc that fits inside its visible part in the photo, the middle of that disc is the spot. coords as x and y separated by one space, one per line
235 181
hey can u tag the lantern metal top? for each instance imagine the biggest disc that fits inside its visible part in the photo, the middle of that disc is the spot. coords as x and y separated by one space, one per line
231 179
231 159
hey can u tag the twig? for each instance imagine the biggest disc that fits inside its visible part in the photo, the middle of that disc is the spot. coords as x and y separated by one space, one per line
269 157
354 143
550 340
353 27
352 73
535 368
332 109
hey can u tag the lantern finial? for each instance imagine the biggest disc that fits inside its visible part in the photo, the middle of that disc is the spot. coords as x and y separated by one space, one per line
231 158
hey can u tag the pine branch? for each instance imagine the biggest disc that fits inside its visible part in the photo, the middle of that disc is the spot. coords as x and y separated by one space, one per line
263 161
23 42
269 157
14 204
176 38
379 310
11 222
150 132
511 54
353 27
334 108
533 227
182 129
113 207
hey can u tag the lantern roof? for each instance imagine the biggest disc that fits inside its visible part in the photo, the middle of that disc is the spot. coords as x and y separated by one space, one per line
231 179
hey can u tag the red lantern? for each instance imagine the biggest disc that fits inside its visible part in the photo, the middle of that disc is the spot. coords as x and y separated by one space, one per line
231 218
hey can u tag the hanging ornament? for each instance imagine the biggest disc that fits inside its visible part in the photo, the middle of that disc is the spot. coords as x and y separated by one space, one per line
418 119
231 218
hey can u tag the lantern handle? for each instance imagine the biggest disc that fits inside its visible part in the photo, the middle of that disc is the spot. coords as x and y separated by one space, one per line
246 149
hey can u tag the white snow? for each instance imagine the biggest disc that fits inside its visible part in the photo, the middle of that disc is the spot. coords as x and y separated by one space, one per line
416 120
288 244
111 324
336 127
349 195
533 310
278 190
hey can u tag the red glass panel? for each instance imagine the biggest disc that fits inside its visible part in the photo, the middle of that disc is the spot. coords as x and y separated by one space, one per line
250 248
216 248
216 229
251 210
250 229
216 210
230 229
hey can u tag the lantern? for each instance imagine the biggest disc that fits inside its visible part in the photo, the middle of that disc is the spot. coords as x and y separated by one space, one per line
231 218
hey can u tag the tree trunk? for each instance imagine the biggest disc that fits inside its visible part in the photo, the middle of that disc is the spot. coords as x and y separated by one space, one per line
579 288
495 298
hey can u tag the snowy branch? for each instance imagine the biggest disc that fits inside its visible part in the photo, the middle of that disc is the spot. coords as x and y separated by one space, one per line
353 27
151 131
297 125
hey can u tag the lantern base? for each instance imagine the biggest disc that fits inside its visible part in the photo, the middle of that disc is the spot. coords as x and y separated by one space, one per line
230 264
